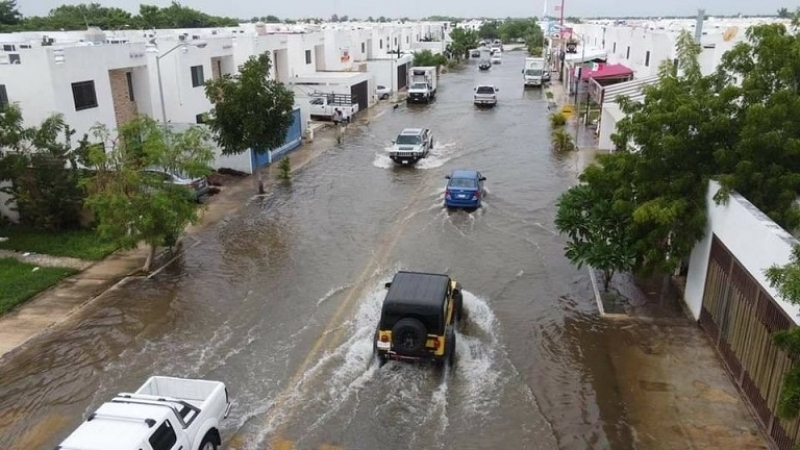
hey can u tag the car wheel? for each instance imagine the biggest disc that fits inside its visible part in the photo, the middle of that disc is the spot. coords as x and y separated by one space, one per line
409 335
208 443
384 96
458 305
450 352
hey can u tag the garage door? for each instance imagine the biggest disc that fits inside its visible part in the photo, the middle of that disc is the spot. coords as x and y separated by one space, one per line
402 76
360 93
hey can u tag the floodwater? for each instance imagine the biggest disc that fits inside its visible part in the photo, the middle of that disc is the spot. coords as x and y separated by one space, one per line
280 301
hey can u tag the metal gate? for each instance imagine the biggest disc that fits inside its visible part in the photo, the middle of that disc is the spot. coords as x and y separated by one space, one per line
293 139
402 76
360 94
740 317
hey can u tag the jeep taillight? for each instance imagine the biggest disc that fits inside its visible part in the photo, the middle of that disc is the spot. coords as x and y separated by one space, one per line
436 344
384 338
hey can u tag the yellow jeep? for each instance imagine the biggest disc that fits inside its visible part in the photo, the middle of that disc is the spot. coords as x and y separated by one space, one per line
419 318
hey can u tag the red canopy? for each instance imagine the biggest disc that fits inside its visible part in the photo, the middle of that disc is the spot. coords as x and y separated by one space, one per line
606 71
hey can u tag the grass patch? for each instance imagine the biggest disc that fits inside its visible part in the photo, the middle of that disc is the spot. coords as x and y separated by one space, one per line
19 281
83 244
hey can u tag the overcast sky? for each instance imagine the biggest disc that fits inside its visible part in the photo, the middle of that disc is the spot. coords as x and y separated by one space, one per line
420 8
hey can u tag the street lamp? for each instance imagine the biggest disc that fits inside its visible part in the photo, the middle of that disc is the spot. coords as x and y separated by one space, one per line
158 71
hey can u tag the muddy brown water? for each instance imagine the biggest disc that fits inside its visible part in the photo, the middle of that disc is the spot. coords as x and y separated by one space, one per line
280 300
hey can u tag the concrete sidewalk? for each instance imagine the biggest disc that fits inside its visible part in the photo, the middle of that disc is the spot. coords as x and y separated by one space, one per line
584 137
51 307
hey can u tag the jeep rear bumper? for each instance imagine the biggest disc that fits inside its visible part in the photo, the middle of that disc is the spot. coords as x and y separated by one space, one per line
410 358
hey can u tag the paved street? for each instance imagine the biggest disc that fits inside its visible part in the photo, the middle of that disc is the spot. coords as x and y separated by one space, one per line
280 302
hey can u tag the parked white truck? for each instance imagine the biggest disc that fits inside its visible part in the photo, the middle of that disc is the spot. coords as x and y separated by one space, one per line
164 414
422 88
323 105
533 72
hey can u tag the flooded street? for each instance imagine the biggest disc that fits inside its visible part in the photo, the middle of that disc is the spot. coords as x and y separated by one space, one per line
280 301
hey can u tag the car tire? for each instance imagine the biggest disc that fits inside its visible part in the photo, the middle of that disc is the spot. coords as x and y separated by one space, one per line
208 443
458 306
409 335
450 351
376 356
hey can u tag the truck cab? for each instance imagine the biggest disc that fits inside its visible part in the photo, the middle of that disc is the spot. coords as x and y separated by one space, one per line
533 73
422 88
164 414
322 106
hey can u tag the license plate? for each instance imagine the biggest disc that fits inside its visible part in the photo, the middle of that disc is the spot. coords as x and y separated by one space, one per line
462 196
405 161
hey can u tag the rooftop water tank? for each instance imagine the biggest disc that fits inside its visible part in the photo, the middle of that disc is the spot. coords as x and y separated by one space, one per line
94 35
261 28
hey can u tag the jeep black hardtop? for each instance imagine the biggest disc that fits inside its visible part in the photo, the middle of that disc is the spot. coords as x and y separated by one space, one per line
419 295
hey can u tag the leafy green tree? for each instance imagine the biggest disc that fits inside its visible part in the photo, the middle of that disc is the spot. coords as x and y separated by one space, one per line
513 29
133 206
462 41
764 166
783 13
9 13
41 166
251 111
489 30
597 224
677 129
427 58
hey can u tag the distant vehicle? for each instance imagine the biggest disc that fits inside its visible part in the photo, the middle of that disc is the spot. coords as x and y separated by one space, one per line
323 105
497 58
533 72
165 413
383 92
419 317
475 53
485 95
496 50
411 145
198 187
485 63
464 189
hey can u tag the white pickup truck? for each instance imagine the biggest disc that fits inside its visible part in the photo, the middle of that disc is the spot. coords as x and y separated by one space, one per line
323 105
164 414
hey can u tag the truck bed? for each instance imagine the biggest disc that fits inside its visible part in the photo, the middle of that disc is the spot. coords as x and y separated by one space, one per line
195 392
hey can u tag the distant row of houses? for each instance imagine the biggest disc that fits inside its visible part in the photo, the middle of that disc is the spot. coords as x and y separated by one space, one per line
108 77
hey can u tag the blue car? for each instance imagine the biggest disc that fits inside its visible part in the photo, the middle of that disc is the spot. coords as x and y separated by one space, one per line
464 189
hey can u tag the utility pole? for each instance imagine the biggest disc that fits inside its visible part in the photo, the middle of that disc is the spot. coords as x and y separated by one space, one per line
562 13
579 74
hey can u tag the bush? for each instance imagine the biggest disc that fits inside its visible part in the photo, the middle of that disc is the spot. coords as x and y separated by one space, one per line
285 169
562 141
426 58
557 120
549 94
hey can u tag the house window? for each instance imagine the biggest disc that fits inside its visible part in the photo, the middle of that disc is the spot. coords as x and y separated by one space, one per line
9 48
628 53
614 48
200 118
3 96
408 39
84 95
129 79
380 43
363 47
647 59
197 76
308 56
395 42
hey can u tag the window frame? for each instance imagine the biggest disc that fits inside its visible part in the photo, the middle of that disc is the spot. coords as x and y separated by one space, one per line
80 87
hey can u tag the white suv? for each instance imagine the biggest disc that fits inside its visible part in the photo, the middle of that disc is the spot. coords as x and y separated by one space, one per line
411 145
485 95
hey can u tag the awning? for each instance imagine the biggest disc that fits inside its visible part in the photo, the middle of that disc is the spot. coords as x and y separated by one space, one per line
606 71
632 89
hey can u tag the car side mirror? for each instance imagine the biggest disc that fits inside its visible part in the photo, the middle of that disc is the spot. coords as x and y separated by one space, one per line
483 178
388 285
497 89
393 142
447 177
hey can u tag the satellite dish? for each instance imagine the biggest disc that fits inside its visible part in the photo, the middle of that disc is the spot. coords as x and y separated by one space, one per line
730 33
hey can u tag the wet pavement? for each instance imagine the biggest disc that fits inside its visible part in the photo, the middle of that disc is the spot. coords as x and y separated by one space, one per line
280 301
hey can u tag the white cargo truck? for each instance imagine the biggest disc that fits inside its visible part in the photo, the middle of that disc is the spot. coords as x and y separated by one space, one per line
164 414
422 88
533 72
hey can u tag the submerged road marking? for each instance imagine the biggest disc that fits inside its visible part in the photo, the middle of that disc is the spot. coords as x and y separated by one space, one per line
379 257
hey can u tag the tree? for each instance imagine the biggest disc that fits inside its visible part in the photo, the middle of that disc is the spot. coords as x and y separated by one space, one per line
427 58
41 167
462 41
597 224
514 29
786 279
677 128
9 13
251 111
489 30
132 205
763 165
783 13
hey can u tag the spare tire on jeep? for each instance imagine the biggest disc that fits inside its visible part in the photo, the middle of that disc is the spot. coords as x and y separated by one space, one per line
409 335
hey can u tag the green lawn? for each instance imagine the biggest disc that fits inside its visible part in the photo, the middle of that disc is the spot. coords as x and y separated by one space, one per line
19 282
83 244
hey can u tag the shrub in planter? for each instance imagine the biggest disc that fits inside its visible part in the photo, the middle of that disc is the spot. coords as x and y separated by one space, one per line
557 120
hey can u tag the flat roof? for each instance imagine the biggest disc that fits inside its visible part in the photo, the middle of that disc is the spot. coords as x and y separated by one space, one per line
341 75
417 288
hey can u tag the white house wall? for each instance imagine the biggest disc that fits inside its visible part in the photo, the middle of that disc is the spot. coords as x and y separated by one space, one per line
30 85
755 240
298 44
